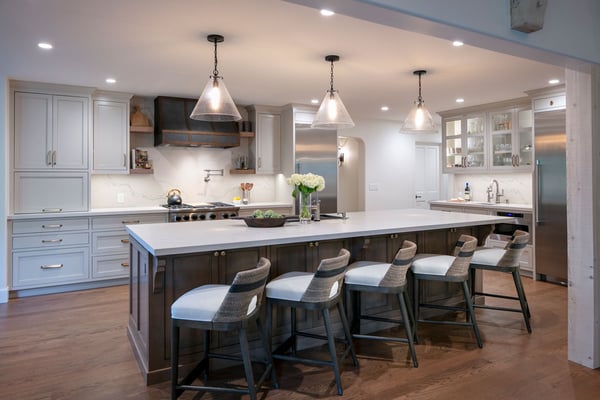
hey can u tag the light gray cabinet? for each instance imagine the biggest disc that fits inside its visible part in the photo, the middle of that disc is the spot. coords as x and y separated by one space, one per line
110 147
265 148
50 192
50 131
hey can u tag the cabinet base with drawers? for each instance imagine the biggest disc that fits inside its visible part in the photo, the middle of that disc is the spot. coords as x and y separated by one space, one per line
51 255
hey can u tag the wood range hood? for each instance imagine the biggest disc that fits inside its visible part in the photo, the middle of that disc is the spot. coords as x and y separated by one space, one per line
174 127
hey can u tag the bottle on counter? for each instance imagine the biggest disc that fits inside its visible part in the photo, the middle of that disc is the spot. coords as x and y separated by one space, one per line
467 192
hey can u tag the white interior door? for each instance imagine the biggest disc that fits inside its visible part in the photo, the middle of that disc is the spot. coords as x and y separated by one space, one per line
427 174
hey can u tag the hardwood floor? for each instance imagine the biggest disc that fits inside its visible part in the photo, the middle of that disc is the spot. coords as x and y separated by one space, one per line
74 346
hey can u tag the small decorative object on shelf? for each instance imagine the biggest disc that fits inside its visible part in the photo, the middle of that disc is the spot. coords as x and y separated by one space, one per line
138 118
304 186
139 159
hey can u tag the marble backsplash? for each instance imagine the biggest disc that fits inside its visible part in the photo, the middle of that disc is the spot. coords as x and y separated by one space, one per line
518 187
183 168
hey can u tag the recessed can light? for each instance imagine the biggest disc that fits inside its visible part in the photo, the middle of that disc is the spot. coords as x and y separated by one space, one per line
315 101
111 80
460 100
327 13
45 46
457 43
553 81
384 108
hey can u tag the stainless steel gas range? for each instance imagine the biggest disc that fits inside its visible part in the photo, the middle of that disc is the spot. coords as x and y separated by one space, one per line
201 212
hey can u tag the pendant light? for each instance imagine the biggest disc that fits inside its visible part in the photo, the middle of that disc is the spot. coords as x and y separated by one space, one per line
215 103
419 119
332 114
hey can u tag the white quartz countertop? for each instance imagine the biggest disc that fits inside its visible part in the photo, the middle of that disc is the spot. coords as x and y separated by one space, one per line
263 204
193 237
93 213
490 206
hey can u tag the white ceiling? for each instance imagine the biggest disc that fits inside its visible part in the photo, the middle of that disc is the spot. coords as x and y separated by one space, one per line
273 54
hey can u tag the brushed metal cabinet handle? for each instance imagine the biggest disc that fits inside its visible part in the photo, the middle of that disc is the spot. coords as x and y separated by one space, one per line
125 264
51 266
52 226
52 240
125 241
51 210
49 158
54 158
130 222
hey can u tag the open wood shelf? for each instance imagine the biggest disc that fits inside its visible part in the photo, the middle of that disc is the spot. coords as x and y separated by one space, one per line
247 134
141 129
141 171
246 171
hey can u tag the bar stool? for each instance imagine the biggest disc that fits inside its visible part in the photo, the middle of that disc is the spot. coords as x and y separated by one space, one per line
319 291
444 268
222 308
504 260
376 277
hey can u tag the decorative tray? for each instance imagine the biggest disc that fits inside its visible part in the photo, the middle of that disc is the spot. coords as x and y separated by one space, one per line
264 222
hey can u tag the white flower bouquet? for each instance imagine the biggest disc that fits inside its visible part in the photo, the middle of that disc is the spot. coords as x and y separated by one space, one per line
304 185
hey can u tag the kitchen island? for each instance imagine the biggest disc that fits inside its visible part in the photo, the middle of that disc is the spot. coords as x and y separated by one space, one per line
169 259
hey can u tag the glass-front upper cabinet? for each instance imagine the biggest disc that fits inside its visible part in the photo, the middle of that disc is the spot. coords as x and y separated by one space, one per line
465 143
511 139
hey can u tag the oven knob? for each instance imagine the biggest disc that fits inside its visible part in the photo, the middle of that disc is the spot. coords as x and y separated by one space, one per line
233 214
177 218
194 217
212 215
225 215
186 217
202 217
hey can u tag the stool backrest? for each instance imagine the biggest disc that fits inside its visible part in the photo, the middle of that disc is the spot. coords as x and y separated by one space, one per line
514 248
396 274
463 253
245 294
327 282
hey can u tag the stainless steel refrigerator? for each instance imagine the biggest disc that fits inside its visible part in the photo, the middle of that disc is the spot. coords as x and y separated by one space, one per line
550 195
316 152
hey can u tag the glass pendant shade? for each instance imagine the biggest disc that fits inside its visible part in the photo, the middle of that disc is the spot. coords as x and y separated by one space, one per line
332 113
215 103
419 119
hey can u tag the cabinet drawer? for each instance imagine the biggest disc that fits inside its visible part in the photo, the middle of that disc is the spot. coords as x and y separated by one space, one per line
113 266
119 221
110 242
550 103
50 192
50 225
50 267
50 240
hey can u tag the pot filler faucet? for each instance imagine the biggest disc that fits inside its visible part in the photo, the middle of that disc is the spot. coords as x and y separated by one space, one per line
491 194
212 172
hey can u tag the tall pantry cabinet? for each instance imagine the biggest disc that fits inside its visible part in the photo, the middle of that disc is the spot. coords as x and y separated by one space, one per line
50 147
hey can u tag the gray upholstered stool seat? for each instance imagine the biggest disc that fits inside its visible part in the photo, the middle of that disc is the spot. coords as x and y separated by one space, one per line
507 261
222 308
319 291
444 268
386 278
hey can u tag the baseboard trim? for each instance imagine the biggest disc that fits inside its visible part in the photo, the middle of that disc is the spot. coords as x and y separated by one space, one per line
4 295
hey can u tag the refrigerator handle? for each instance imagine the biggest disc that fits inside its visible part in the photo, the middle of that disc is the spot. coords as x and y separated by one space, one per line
538 212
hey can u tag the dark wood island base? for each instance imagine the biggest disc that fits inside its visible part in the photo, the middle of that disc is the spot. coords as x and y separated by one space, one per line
157 281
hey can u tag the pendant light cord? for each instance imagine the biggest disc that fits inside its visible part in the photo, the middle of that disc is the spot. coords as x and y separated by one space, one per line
420 98
331 78
216 71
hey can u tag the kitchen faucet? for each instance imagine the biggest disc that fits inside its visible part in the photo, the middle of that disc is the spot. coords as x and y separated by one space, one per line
497 194
212 172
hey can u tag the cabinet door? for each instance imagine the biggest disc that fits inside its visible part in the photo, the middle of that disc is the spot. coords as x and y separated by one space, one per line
70 132
110 143
524 151
32 131
50 192
49 267
268 133
501 132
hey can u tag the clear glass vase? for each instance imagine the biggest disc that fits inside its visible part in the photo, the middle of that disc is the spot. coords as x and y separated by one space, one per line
304 203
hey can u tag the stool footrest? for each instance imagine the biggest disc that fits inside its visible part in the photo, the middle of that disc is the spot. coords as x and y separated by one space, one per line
302 360
440 307
438 322
517 310
382 338
499 296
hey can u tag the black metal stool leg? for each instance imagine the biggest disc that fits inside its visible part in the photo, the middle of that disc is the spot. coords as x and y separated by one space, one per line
331 344
471 311
407 328
174 361
347 333
268 356
521 295
247 363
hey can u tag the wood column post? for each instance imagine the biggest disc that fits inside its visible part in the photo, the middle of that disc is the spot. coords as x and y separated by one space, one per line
583 212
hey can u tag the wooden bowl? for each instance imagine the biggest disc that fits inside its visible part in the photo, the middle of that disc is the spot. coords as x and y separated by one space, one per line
264 222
